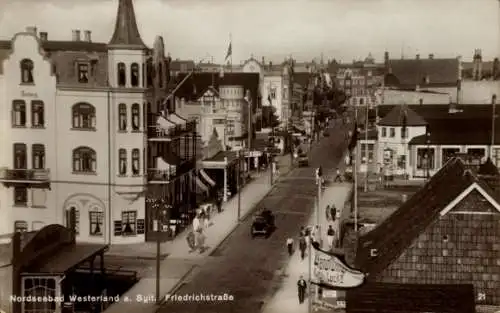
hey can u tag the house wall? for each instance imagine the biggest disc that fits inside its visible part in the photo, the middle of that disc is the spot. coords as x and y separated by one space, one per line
455 249
273 82
413 97
5 285
398 145
372 165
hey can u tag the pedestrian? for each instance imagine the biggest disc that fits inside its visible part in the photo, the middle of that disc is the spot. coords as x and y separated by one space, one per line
338 176
330 233
333 212
218 203
289 246
197 229
317 235
191 241
327 213
301 287
302 231
206 215
302 247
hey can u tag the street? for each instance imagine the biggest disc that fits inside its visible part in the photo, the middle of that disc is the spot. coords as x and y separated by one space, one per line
248 269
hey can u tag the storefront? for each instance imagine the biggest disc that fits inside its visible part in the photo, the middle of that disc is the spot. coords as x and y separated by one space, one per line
223 169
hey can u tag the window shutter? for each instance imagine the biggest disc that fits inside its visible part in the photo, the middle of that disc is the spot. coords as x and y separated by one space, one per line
118 228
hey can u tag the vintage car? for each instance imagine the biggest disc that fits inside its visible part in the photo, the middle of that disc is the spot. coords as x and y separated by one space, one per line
263 224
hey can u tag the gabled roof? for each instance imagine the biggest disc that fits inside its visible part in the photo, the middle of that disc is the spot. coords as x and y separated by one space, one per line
423 72
126 34
488 169
391 238
397 115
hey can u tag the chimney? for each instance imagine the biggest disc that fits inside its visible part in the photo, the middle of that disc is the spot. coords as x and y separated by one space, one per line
76 35
431 56
44 36
87 36
31 30
417 57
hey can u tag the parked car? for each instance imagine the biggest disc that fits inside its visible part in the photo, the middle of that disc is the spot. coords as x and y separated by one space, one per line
263 224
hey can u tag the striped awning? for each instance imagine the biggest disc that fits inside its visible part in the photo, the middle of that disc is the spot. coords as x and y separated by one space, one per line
199 183
206 177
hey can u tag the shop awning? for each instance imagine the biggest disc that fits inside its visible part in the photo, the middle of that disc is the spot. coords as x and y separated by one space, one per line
206 177
199 183
164 123
219 160
177 119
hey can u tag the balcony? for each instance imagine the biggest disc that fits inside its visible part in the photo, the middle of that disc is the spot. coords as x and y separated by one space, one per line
24 176
162 133
165 176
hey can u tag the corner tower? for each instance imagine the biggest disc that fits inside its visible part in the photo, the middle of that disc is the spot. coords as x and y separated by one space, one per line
126 50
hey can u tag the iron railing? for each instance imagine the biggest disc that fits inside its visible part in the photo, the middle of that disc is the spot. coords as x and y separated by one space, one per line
155 131
167 175
35 175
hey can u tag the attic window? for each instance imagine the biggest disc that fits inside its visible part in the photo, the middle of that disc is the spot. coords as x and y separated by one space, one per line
373 252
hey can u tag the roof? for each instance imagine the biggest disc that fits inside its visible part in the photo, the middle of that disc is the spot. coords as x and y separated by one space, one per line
488 168
196 86
397 116
373 297
423 72
66 258
395 234
126 33
220 157
303 79
183 65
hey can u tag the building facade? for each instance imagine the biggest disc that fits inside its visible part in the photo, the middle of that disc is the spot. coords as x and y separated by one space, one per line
75 132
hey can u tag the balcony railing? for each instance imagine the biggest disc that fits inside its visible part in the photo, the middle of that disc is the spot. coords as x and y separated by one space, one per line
158 132
167 175
25 175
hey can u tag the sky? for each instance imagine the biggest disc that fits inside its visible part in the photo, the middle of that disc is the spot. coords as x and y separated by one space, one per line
305 29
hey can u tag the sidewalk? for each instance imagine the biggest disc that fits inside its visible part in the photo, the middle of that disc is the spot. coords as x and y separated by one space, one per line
285 300
180 262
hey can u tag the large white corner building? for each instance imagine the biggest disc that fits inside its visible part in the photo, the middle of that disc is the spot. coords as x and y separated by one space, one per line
72 132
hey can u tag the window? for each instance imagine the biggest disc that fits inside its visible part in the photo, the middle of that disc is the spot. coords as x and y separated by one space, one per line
18 113
134 75
402 161
122 116
404 132
425 158
20 158
20 196
149 72
37 113
84 116
273 92
27 71
367 156
129 221
122 78
135 162
392 132
361 101
448 153
77 219
83 73
38 153
136 116
96 222
84 160
20 226
122 162
477 153
384 132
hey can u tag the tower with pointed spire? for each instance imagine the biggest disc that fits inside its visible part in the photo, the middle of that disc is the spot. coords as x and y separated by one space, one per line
126 50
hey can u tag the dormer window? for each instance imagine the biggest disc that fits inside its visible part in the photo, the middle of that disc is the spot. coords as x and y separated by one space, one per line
27 71
122 79
83 73
134 75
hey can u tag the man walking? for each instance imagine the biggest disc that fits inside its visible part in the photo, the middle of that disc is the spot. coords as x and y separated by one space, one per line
338 176
301 286
329 236
333 212
302 247
327 213
289 246
218 203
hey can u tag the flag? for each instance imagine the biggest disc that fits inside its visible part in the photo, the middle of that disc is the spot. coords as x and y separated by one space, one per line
229 51
330 271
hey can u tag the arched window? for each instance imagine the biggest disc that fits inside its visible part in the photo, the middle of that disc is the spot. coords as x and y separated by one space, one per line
27 71
122 116
136 116
122 78
149 73
18 113
134 75
96 221
84 116
122 162
67 219
84 160
136 162
38 153
37 113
